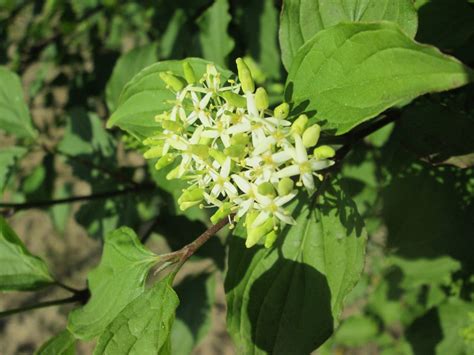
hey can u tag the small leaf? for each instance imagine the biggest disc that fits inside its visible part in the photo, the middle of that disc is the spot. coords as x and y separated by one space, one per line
126 67
216 44
144 326
118 280
302 19
350 73
286 300
62 344
8 158
19 269
146 95
14 114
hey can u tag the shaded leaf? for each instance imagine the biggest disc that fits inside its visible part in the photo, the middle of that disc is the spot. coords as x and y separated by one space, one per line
119 279
350 73
126 67
62 344
19 269
302 19
14 114
287 299
146 95
215 42
144 326
8 159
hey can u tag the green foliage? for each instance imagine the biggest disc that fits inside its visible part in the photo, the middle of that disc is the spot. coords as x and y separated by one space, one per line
8 158
62 344
19 269
118 280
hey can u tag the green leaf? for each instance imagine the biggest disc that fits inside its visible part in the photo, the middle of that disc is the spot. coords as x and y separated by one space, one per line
193 317
62 344
14 114
118 280
302 19
144 326
146 95
286 300
19 269
8 159
356 331
126 67
350 73
216 44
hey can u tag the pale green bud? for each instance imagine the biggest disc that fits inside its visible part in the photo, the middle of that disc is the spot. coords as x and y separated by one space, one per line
154 152
164 161
175 82
300 124
245 76
255 234
311 136
218 155
240 139
172 126
189 74
285 186
261 99
270 238
250 216
173 174
190 197
282 111
234 99
235 151
201 150
267 189
324 152
222 212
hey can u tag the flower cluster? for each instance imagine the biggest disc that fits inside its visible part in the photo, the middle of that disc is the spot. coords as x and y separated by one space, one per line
235 153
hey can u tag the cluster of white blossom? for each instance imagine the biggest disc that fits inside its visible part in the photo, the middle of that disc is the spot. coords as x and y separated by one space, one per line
235 153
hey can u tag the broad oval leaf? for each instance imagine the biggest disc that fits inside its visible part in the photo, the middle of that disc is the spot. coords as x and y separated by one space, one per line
118 280
144 326
126 67
62 344
14 114
350 73
19 269
286 300
302 19
146 95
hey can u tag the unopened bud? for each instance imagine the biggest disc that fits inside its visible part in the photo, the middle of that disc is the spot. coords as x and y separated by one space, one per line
189 74
256 233
281 111
285 186
240 139
270 238
300 124
261 99
201 150
222 212
218 155
234 99
311 136
236 151
154 152
172 126
245 76
250 217
175 82
164 161
190 197
324 152
174 174
267 189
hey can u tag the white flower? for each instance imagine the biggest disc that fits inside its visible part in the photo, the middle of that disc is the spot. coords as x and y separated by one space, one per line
222 184
273 207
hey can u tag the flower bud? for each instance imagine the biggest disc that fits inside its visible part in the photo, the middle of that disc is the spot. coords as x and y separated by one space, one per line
189 74
218 155
223 211
285 186
323 152
172 126
250 216
299 125
234 99
270 238
154 152
311 136
245 76
236 151
175 82
190 197
255 234
174 174
267 189
281 111
240 139
164 161
201 150
261 99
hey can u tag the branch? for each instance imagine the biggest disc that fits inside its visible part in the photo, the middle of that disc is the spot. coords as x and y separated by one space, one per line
11 208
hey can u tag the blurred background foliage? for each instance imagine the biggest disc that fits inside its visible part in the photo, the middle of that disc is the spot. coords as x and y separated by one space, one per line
413 181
